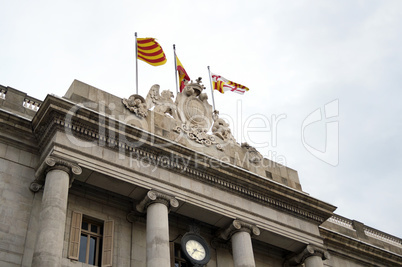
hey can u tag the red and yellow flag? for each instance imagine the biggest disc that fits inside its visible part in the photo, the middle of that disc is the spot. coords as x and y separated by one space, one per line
149 51
222 85
183 76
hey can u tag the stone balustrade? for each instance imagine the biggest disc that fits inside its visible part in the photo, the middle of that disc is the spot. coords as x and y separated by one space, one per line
368 231
3 92
31 104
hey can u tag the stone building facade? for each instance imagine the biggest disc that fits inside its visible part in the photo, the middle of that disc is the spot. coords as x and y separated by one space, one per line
92 179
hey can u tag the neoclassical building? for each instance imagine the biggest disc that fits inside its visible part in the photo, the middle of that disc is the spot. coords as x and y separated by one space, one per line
90 179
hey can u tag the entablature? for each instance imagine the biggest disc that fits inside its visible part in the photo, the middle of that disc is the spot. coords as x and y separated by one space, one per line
90 127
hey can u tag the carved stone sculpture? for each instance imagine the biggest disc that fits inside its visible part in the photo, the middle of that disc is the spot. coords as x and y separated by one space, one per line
163 102
253 155
221 129
136 104
198 135
193 107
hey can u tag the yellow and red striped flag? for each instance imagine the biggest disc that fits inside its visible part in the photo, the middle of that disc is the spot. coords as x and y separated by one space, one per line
149 51
183 76
222 85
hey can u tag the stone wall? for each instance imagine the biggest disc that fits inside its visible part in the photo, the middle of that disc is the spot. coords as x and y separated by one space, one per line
16 174
104 206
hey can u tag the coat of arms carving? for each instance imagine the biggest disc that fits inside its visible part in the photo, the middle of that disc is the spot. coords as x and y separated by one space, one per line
193 107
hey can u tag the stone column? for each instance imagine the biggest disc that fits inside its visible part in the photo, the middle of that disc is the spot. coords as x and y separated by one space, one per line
52 218
311 257
157 206
240 234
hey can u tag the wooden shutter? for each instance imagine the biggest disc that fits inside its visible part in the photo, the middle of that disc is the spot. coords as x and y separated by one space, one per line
107 253
172 254
75 235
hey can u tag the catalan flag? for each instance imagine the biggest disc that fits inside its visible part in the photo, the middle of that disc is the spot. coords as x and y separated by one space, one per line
150 51
222 85
183 76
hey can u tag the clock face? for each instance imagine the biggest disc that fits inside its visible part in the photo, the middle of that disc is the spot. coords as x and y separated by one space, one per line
195 250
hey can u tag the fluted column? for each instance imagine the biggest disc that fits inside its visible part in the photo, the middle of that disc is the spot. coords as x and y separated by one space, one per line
311 256
52 218
240 234
157 206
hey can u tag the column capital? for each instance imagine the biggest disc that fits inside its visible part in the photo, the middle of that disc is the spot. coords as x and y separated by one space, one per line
157 197
239 226
309 251
54 163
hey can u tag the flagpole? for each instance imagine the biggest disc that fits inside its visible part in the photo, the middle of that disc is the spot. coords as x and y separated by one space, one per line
212 89
136 64
175 69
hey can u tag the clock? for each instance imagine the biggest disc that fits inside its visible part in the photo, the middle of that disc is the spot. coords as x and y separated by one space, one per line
195 249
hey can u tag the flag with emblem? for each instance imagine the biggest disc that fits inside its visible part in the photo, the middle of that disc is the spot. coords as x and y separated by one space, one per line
183 76
223 85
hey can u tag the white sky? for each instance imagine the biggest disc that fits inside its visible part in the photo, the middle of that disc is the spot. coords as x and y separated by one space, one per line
295 56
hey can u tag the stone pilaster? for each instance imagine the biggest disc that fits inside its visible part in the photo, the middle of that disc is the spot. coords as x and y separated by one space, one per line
157 205
311 256
52 218
240 234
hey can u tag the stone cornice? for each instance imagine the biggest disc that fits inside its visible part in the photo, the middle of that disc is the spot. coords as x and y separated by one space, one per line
157 197
52 163
239 226
104 130
343 245
16 130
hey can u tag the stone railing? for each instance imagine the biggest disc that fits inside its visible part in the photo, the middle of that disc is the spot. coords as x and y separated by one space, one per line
17 101
3 93
374 233
342 221
31 104
368 231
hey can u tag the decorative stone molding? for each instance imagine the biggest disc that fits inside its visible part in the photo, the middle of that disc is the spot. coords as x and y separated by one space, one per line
377 234
157 197
52 163
198 135
309 251
57 163
166 162
35 186
239 226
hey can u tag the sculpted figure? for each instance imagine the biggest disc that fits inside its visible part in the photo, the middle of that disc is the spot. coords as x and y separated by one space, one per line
163 102
136 104
253 155
221 129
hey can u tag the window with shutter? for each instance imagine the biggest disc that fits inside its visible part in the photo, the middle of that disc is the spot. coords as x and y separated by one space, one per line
91 240
107 253
75 234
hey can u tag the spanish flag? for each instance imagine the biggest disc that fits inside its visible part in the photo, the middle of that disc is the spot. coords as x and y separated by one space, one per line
150 51
222 85
183 76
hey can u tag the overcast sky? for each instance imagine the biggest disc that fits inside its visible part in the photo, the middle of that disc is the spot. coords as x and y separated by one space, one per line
324 77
